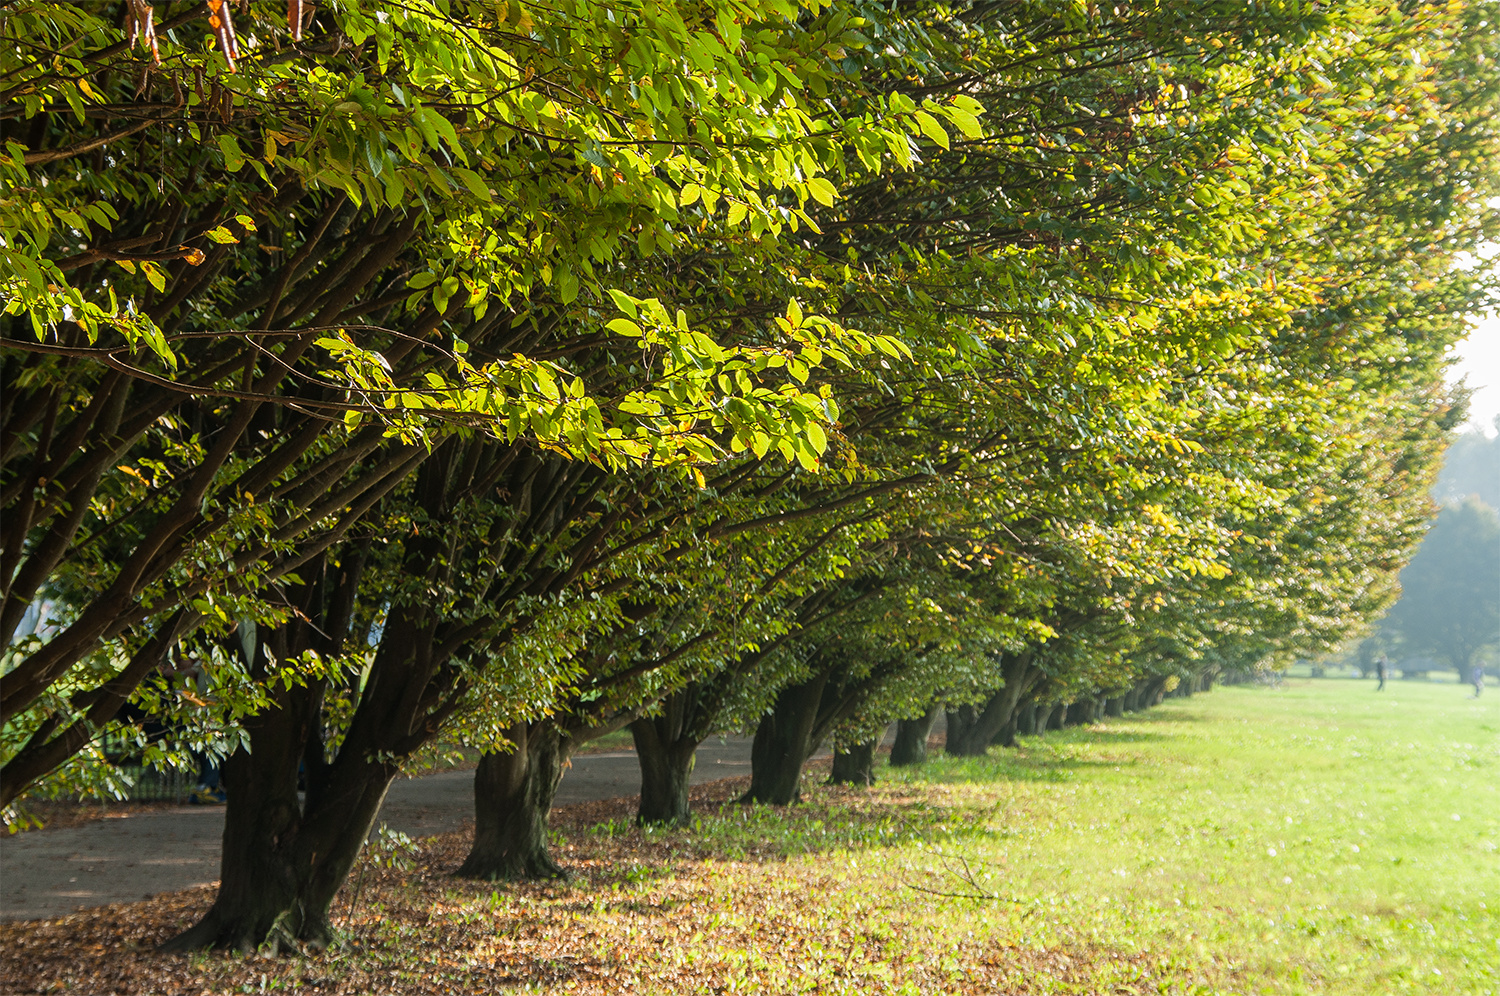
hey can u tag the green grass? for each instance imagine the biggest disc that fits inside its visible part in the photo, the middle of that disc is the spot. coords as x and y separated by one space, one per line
1316 838
1319 838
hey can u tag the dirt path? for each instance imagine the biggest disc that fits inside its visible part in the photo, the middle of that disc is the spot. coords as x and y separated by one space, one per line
126 858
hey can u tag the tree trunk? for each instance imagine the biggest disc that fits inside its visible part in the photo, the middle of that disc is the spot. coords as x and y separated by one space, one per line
1114 706
1026 720
284 860
512 796
1007 735
783 743
855 766
960 725
666 762
978 728
970 730
282 864
911 739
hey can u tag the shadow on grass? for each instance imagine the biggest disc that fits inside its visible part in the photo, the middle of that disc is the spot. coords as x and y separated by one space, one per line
601 845
1018 765
1099 735
1182 713
828 818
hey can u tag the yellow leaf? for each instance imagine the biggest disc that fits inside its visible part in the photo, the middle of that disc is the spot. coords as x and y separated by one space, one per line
794 313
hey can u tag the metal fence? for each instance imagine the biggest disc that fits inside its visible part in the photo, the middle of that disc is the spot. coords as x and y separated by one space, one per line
148 783
155 785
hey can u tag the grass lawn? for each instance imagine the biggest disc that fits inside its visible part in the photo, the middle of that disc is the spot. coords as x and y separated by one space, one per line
1320 838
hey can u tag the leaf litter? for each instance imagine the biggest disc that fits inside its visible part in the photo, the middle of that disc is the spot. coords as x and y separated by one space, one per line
747 899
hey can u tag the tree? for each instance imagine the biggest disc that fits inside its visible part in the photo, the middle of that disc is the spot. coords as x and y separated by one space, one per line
1471 467
1450 592
324 293
536 293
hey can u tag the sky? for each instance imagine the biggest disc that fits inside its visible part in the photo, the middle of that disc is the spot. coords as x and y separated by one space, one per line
1479 365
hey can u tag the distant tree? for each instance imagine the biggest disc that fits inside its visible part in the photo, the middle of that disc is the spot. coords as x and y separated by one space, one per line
1471 467
1450 607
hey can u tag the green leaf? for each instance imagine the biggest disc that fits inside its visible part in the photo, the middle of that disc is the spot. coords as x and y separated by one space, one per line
233 157
967 123
931 128
624 302
474 182
822 190
154 274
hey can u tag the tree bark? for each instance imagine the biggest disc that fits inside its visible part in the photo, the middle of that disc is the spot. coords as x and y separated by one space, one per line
784 742
970 730
805 716
855 766
911 739
282 864
1026 720
512 796
1114 706
978 728
960 723
666 756
283 861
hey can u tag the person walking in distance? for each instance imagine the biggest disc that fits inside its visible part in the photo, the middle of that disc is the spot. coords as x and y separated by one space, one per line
1382 668
1476 678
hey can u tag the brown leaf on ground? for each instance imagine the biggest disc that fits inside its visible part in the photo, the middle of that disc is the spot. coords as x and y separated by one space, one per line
728 905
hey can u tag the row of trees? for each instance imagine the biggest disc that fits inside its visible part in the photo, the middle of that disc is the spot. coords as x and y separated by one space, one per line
449 373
